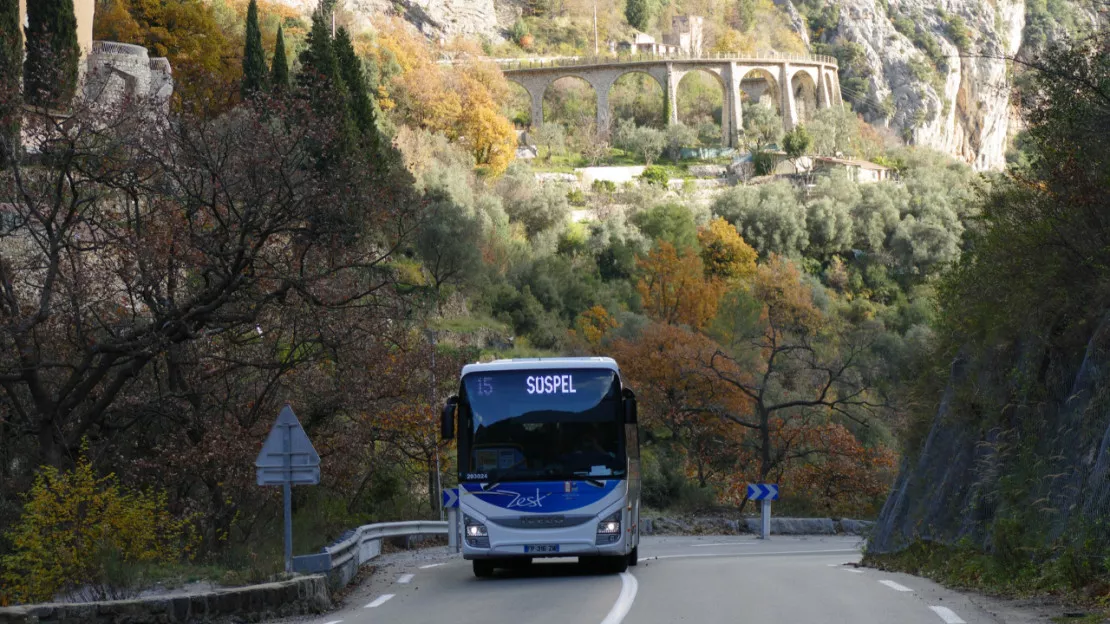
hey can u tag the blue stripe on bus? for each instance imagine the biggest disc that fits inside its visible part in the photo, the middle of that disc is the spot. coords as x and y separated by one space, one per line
542 496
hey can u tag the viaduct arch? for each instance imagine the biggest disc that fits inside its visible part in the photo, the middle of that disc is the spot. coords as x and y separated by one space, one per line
791 77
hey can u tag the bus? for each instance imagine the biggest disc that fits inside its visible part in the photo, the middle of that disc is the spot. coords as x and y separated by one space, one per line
548 463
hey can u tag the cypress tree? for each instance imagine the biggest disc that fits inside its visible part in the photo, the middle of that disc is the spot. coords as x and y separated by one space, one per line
319 82
254 59
11 71
279 69
318 60
50 71
638 13
350 67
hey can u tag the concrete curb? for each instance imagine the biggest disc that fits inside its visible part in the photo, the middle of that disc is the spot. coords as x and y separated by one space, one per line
254 603
779 526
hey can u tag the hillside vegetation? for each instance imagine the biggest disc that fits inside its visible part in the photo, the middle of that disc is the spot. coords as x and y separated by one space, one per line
346 239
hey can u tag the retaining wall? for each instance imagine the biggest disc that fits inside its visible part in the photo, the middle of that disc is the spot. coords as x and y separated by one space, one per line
779 526
257 603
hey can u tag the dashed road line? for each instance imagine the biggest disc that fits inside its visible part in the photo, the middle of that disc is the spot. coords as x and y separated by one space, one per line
405 578
334 622
947 615
852 570
629 585
724 544
430 565
896 586
379 601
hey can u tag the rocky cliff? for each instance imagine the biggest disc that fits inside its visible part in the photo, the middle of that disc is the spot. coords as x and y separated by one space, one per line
437 19
935 71
1017 458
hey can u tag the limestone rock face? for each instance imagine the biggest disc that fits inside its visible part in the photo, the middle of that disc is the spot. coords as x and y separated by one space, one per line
958 104
435 18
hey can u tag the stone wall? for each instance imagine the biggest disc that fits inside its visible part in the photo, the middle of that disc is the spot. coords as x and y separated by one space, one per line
779 526
257 603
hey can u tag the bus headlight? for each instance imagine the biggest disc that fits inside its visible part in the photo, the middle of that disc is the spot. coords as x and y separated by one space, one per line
609 529
475 533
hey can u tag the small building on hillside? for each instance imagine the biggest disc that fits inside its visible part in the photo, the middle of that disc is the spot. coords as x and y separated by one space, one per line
687 34
644 43
861 171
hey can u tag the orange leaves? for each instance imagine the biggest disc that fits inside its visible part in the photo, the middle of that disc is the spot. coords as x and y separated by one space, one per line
594 323
674 287
459 102
787 301
725 254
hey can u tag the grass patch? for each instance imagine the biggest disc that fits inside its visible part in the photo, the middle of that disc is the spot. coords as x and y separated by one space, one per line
1090 618
1081 577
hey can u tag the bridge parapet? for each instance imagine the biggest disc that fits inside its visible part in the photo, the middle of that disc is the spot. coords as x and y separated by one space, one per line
627 59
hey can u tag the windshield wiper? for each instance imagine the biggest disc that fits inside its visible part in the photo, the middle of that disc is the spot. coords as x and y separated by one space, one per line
585 476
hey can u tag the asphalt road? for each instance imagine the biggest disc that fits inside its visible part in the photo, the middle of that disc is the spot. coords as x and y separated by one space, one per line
680 579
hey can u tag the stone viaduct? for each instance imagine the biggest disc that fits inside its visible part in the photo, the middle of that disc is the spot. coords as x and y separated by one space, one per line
796 85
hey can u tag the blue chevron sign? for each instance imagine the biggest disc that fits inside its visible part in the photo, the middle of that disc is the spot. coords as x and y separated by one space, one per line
450 498
763 491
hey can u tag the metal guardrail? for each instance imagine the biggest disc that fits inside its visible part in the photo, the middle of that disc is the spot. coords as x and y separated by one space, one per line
341 560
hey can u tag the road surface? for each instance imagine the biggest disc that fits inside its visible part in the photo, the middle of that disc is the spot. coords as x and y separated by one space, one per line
679 579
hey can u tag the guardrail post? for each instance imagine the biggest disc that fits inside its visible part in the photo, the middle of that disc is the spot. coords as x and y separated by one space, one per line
453 529
765 520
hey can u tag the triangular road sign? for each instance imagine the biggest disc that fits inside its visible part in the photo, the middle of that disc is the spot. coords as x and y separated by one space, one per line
288 442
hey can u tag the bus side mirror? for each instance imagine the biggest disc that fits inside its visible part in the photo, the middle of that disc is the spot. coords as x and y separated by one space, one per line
630 417
447 420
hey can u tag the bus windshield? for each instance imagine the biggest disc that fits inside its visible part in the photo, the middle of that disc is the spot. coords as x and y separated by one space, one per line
540 425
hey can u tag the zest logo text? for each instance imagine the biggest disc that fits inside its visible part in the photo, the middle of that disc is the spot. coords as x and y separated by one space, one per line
528 502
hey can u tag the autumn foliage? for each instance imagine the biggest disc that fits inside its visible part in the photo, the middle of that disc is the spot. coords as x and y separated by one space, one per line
675 289
460 102
78 529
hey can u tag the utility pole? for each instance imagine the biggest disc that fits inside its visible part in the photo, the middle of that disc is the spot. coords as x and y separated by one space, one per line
596 53
435 440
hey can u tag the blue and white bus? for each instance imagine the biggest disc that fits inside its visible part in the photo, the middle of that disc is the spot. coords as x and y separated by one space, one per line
549 463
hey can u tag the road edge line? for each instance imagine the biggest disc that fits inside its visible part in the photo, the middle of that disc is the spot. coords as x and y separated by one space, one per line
629 587
948 615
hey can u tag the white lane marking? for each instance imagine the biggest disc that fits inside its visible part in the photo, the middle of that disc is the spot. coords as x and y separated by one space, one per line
896 586
724 544
430 565
379 601
629 585
853 570
757 554
947 615
334 622
405 578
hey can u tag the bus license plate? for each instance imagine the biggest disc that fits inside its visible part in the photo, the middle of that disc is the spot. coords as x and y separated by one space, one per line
541 548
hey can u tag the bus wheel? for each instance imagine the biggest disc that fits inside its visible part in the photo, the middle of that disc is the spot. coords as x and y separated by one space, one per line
634 556
483 568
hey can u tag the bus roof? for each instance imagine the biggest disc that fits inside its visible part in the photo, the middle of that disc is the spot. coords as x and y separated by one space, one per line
555 363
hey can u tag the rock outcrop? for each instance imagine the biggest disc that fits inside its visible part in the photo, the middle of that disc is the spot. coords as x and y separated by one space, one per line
1006 470
923 85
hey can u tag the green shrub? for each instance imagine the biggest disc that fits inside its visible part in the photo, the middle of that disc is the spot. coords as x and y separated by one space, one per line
607 187
655 176
80 533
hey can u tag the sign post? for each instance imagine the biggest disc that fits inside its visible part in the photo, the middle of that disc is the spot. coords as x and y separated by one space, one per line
288 458
765 492
450 502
